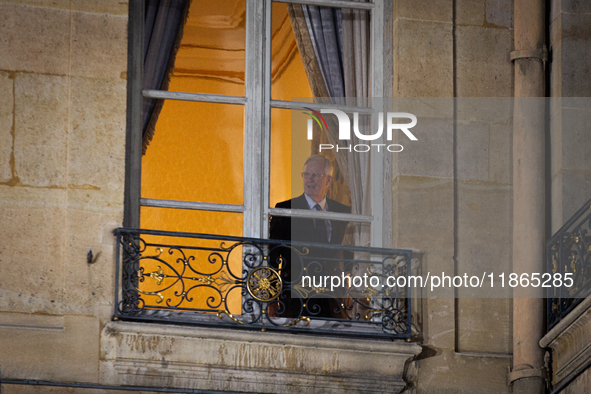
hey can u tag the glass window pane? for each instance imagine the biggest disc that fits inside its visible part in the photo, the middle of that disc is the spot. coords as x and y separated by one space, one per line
289 150
281 155
192 221
320 52
196 154
211 55
288 75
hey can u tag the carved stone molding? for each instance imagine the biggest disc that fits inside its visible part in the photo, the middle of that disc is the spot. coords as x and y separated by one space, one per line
248 361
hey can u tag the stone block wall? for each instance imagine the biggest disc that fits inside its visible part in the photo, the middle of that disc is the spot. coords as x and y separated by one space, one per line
570 87
453 194
62 147
62 163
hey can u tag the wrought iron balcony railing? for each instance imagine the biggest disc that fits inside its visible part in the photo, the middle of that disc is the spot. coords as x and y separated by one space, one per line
216 280
569 251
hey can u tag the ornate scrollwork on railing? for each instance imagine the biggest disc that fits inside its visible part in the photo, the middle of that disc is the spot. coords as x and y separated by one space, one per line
216 280
569 252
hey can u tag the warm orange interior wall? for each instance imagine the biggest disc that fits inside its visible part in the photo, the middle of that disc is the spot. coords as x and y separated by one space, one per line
288 140
196 155
197 152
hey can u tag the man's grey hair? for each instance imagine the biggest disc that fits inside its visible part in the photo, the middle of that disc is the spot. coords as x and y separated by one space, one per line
327 163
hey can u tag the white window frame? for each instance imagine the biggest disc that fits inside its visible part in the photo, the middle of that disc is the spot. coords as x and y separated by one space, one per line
257 104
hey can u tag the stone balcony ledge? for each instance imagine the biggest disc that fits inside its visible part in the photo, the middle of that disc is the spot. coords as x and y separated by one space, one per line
571 342
249 361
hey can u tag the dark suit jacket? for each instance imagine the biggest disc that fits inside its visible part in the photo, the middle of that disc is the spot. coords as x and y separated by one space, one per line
303 229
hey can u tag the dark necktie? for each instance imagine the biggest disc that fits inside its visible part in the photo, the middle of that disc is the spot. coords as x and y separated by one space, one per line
321 227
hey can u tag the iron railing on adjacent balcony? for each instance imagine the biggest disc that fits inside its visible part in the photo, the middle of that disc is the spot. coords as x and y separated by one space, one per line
569 252
214 280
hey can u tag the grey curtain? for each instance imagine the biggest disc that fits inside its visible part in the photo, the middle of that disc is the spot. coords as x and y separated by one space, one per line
334 45
164 24
325 29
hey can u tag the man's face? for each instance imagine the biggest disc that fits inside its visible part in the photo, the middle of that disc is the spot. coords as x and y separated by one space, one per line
316 188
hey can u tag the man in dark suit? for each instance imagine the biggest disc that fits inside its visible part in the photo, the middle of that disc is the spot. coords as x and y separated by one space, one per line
317 176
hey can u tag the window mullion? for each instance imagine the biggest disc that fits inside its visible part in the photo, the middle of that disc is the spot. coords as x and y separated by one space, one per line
300 105
197 97
133 150
327 215
266 138
377 90
387 84
332 3
254 118
194 205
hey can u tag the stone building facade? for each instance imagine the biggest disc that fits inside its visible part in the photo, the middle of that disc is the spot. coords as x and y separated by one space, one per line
63 114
